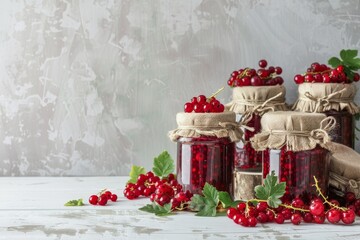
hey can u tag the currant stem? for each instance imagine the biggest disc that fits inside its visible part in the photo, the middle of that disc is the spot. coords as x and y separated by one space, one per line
325 198
216 93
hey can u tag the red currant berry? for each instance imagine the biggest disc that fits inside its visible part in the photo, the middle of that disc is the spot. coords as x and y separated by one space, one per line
243 221
194 100
231 212
246 81
141 179
234 73
198 108
262 63
335 202
207 107
296 219
201 99
241 206
326 78
356 77
350 197
252 212
256 81
297 202
333 215
103 200
252 221
93 199
271 69
236 218
309 78
262 217
188 107
348 216
263 73
113 197
319 219
308 217
278 70
340 68
270 215
286 213
299 79
279 218
316 208
262 206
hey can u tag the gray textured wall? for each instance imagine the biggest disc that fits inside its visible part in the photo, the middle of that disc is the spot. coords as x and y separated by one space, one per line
92 87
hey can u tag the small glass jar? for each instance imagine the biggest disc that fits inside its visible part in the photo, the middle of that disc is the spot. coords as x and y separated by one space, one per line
344 131
296 142
205 159
335 100
297 170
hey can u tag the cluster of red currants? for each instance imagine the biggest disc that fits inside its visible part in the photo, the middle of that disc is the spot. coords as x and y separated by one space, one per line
352 202
201 104
248 215
322 73
102 198
260 77
162 191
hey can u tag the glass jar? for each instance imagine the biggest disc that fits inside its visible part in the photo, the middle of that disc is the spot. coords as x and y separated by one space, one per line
205 159
332 99
297 170
344 131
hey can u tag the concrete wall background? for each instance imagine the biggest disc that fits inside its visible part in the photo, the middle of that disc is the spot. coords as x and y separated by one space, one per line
92 87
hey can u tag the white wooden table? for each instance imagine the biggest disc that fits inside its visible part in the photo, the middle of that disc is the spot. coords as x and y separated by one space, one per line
33 208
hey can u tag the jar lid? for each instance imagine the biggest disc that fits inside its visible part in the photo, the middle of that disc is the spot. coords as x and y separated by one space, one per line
297 130
207 124
321 97
248 97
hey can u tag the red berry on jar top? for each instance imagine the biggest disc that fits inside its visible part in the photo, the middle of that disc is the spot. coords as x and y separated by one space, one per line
256 77
204 105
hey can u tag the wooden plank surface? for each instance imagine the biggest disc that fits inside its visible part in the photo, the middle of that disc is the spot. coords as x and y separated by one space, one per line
33 208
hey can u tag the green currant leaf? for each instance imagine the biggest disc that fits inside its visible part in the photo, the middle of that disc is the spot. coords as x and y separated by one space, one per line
334 62
348 54
73 203
197 202
135 172
271 191
205 205
157 209
211 193
209 210
226 201
163 164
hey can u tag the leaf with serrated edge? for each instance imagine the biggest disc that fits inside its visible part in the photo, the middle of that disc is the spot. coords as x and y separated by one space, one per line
148 208
334 62
211 193
260 192
162 210
135 172
273 202
226 201
348 54
209 210
163 164
197 202
73 203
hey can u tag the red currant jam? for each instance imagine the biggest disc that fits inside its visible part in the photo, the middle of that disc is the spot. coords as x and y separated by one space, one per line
246 158
297 170
205 159
344 130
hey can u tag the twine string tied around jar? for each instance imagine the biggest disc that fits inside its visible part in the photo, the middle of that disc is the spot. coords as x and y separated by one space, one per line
326 100
260 109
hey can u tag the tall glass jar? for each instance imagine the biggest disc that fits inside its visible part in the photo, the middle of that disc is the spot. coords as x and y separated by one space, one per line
332 99
205 149
250 103
296 142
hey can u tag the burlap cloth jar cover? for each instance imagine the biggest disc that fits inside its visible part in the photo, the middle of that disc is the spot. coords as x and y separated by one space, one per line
297 131
344 170
246 99
322 97
297 143
333 99
218 125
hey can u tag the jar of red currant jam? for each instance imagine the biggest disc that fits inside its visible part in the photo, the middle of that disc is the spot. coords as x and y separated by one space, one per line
205 149
249 103
297 148
332 99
